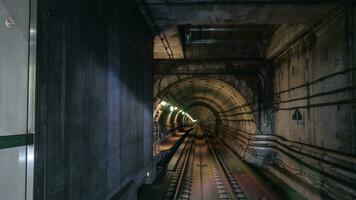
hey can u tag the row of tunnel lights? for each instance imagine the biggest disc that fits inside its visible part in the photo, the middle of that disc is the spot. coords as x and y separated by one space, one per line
173 108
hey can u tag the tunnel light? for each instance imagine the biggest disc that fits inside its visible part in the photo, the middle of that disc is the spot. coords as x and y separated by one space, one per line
190 117
175 108
183 112
163 103
171 108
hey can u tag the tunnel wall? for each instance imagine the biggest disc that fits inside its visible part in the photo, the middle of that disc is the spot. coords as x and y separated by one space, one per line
315 76
94 102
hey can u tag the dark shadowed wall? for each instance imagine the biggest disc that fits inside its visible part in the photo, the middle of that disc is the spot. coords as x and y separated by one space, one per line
94 100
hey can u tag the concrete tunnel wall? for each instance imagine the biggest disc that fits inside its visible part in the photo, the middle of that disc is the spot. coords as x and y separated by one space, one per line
94 117
316 75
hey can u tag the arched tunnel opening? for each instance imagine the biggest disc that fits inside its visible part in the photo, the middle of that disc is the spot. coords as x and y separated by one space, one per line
177 99
214 106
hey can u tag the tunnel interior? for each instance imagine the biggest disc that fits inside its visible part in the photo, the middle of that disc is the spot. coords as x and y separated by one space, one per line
177 99
258 77
214 106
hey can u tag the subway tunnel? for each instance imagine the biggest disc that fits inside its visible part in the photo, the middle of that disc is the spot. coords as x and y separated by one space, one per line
175 99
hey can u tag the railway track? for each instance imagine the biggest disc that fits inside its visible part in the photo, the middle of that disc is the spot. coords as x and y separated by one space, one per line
201 173
233 186
181 173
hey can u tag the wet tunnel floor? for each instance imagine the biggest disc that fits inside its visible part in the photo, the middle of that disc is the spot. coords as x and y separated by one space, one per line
204 168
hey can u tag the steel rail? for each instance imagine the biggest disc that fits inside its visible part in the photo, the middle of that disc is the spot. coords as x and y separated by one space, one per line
183 172
222 167
244 166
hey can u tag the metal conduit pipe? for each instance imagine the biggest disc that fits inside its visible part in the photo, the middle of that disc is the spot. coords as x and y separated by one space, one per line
344 185
326 155
336 173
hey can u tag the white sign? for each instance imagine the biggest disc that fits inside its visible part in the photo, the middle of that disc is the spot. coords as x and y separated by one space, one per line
9 23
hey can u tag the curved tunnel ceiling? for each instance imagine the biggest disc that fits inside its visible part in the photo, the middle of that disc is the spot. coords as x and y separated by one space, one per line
213 103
